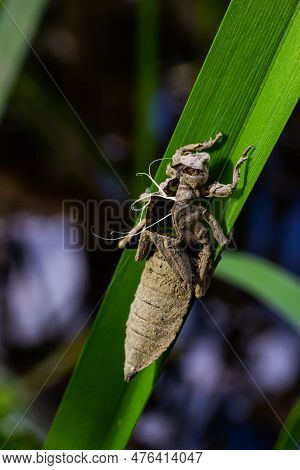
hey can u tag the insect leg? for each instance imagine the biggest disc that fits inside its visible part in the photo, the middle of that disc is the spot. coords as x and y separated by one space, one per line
237 168
132 233
224 190
207 268
216 229
200 146
175 257
143 246
204 271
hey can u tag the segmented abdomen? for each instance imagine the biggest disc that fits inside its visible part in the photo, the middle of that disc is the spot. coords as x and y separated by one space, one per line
161 301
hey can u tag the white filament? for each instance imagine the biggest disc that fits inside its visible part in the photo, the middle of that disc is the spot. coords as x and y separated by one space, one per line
127 233
145 197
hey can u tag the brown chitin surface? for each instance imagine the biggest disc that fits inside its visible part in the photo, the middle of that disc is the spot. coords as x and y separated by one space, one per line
156 314
173 275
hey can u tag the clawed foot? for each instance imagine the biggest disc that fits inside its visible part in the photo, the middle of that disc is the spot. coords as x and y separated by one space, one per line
228 240
245 156
200 146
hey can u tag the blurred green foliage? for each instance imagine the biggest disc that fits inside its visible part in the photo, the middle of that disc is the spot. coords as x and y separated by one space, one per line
18 24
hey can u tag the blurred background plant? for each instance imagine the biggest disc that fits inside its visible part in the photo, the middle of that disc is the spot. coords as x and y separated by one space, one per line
127 67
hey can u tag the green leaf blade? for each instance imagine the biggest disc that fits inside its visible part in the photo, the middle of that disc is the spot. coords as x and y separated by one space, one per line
289 437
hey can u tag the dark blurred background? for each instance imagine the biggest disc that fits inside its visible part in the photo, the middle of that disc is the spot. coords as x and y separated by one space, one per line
127 68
